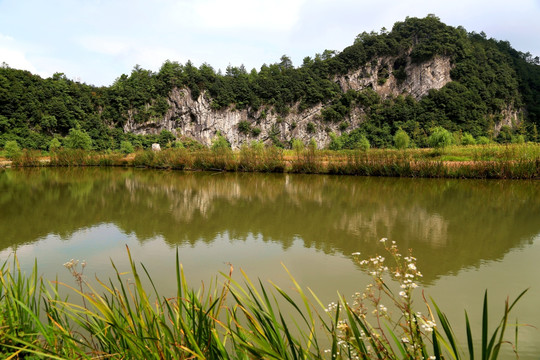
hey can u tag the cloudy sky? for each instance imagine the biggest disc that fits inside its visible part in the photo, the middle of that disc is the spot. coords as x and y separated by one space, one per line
95 41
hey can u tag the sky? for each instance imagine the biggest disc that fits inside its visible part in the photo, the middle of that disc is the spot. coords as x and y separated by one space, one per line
96 41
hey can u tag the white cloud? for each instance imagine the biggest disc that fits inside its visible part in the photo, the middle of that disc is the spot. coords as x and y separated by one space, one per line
12 54
148 54
255 14
106 46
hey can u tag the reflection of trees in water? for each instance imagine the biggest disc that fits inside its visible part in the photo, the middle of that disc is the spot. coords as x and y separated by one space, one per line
449 223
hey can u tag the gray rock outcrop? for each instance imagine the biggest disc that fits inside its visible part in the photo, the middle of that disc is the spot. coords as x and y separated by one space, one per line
199 120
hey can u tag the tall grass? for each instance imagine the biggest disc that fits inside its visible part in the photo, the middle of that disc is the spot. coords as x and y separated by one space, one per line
308 161
514 161
258 158
27 158
124 319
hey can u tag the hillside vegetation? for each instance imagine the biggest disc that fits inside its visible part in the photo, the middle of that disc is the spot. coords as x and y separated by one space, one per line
489 79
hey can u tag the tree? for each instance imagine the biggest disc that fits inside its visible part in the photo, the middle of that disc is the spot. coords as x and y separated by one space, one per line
54 144
78 139
336 143
166 138
297 145
126 147
285 63
12 149
440 138
363 143
482 140
467 139
401 139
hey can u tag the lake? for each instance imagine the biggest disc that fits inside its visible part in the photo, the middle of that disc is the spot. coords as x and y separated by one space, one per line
468 235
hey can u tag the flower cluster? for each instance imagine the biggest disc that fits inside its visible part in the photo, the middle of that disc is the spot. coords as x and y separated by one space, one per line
72 266
381 306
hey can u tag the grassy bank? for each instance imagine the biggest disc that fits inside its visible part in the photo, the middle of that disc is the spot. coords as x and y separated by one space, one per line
512 161
123 319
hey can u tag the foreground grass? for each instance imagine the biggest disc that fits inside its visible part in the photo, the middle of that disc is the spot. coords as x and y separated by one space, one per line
512 161
122 319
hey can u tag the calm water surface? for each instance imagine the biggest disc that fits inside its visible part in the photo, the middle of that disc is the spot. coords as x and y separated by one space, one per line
468 235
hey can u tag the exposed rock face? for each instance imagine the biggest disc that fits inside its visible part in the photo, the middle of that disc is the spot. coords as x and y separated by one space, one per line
509 117
420 78
197 119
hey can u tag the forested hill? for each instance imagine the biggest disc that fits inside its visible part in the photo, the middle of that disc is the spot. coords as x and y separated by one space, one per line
420 75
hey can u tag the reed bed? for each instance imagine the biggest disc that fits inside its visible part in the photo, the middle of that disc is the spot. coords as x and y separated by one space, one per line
123 319
27 158
515 161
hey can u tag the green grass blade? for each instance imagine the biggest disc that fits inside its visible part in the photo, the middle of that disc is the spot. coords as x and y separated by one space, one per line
470 343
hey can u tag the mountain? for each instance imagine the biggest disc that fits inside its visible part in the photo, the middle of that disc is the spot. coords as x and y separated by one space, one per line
419 75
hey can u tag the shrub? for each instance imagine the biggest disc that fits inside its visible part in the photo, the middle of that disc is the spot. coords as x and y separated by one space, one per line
126 147
297 145
505 135
166 138
178 145
54 144
192 144
12 149
220 142
518 139
335 142
401 139
312 144
440 138
78 139
468 139
363 143
244 127
482 140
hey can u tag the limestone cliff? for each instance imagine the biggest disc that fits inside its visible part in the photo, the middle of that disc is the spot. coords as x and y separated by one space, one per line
199 120
380 76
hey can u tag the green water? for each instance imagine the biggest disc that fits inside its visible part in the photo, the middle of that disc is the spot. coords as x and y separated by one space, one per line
468 235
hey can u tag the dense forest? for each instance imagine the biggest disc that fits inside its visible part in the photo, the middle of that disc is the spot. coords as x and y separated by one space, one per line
488 77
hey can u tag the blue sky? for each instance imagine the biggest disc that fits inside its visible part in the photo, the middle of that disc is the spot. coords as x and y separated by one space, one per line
95 41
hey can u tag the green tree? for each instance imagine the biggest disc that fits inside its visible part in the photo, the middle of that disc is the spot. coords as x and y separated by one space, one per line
440 138
12 149
78 139
482 140
166 138
126 147
401 139
297 145
336 143
505 135
518 139
54 144
363 143
467 139
220 142
178 144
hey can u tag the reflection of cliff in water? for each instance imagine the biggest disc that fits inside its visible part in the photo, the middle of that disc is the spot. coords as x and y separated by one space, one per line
450 224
